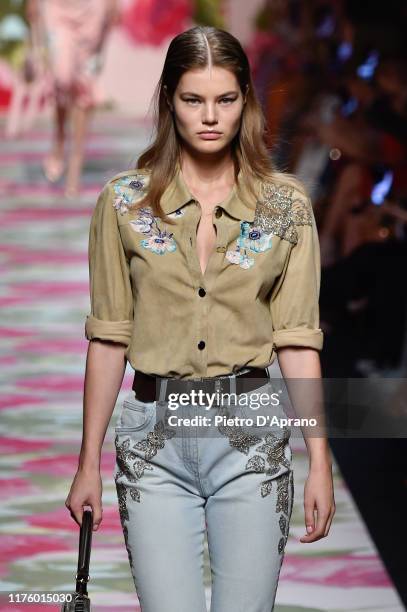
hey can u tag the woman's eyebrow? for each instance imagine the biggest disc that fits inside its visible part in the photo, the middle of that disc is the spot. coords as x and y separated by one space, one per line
190 93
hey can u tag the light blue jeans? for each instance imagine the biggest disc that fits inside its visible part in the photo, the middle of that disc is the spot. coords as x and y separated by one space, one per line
176 481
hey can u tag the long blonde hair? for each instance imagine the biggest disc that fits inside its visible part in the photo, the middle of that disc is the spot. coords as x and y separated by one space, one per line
190 50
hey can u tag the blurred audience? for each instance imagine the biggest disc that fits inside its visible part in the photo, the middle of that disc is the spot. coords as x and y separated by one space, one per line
332 77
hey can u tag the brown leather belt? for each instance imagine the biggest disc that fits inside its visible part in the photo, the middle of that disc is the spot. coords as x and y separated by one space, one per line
147 387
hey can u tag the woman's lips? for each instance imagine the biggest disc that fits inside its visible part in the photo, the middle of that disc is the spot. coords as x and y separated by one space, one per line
209 135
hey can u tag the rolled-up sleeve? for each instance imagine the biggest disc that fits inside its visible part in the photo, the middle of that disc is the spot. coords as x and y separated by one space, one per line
111 298
295 301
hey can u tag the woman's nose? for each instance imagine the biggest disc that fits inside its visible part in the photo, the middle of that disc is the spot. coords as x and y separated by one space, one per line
209 114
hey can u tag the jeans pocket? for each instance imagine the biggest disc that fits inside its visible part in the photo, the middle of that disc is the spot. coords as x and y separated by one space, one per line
135 415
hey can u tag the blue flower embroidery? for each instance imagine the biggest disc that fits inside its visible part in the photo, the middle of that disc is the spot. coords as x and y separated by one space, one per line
125 189
251 239
144 221
241 258
157 240
178 213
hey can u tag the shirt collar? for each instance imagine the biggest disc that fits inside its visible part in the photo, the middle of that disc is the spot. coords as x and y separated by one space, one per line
177 195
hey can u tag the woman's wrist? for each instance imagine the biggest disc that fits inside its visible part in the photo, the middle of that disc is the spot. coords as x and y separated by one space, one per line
89 461
320 461
319 454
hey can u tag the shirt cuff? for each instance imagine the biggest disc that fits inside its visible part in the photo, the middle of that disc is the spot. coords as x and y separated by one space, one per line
116 331
299 336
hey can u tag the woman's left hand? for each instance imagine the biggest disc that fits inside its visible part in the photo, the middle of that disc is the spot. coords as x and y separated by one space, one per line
319 496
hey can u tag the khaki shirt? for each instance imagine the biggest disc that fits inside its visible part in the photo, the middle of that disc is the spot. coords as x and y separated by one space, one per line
259 293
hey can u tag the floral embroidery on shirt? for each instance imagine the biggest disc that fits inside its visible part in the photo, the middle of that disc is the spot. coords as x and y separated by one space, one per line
144 221
125 189
279 211
241 258
251 239
178 213
159 241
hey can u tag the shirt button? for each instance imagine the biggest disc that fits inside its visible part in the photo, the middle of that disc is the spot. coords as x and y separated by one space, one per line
201 345
221 249
218 213
201 292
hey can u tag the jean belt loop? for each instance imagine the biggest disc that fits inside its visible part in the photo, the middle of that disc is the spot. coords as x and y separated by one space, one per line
232 388
163 390
218 389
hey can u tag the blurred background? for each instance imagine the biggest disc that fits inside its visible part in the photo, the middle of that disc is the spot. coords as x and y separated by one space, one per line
332 79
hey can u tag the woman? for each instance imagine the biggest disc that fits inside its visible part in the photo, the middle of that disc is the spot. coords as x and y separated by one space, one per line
203 261
76 32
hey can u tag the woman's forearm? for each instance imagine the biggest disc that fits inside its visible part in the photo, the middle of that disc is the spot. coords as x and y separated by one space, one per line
105 368
303 367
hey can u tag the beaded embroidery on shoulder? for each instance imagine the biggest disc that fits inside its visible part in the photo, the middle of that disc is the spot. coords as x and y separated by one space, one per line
128 189
280 209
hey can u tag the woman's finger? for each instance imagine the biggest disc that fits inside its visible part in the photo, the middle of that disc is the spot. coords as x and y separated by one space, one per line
77 513
331 516
309 517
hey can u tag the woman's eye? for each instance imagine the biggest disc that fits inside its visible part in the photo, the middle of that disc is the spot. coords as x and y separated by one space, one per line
193 100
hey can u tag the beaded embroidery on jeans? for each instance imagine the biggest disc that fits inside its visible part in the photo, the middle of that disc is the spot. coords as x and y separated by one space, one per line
238 438
273 447
285 499
133 467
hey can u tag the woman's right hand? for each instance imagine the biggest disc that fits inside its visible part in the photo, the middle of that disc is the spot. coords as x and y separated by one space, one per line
86 490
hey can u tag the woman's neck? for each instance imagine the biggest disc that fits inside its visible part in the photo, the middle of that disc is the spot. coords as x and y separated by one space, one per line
202 174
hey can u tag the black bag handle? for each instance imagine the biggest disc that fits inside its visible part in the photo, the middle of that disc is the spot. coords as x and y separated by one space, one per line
85 542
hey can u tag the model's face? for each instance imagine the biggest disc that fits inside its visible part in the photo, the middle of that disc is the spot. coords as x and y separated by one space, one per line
208 105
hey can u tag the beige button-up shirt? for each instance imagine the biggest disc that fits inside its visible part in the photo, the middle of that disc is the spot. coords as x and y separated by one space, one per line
259 292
